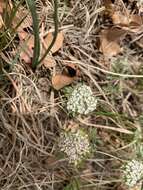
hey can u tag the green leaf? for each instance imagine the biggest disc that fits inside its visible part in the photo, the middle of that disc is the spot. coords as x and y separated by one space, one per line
32 7
74 185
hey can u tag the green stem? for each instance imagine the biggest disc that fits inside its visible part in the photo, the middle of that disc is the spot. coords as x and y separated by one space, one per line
13 13
55 32
32 6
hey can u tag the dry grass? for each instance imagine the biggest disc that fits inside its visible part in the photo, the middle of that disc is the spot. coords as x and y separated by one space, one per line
32 114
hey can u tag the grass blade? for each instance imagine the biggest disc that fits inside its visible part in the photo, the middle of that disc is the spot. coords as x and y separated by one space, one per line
13 13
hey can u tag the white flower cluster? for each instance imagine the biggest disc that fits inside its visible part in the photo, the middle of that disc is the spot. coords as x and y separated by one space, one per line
133 173
82 100
75 144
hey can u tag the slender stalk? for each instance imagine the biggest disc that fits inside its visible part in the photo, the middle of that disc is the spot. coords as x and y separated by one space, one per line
32 6
13 13
14 29
55 32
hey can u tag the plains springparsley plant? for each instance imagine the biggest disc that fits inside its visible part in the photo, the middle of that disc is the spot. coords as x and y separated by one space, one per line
138 146
81 100
132 173
139 149
75 144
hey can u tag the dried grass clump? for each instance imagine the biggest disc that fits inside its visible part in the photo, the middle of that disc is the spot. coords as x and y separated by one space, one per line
28 137
30 93
28 132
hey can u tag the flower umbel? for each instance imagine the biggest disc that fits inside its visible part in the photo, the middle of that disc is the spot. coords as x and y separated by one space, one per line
82 100
133 173
75 144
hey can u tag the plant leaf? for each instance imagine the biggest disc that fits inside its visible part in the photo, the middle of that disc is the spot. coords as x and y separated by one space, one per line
110 41
59 81
72 69
27 48
22 19
49 61
119 19
68 76
36 51
2 6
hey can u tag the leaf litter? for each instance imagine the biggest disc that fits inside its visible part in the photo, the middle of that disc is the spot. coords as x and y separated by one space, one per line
69 76
33 111
110 40
124 23
27 53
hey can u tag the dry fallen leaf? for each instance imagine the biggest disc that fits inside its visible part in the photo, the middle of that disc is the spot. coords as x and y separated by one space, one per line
22 15
27 49
117 11
136 20
26 57
72 69
136 23
70 73
49 62
109 7
22 35
58 43
2 6
110 41
28 46
122 17
131 23
119 19
59 81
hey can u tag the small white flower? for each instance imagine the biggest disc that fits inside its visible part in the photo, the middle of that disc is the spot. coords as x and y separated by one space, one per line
82 100
133 173
75 144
